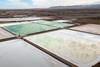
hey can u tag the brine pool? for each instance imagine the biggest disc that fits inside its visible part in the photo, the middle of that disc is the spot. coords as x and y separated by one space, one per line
80 48
18 53
36 26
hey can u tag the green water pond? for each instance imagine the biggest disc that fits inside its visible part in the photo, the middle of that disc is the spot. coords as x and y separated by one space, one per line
55 24
24 29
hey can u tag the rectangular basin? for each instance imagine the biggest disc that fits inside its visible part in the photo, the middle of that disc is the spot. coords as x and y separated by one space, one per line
79 48
17 53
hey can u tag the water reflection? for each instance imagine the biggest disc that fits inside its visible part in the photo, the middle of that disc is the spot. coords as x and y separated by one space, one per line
17 53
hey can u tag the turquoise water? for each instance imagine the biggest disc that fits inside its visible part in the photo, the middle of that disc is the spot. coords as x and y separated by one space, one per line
38 26
24 29
55 24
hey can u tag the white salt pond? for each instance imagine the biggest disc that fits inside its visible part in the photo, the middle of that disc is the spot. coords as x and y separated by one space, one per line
79 48
91 28
4 34
24 19
17 53
14 23
19 19
65 21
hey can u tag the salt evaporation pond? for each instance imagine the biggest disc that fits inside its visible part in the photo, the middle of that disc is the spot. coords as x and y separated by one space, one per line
79 48
64 21
91 28
17 53
14 23
24 29
4 34
59 24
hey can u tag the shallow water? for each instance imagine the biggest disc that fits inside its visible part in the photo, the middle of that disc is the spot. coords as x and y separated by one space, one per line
17 53
59 24
91 28
24 29
79 48
4 34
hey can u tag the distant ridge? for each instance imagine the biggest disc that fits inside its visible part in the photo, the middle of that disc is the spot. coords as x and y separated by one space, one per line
92 6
